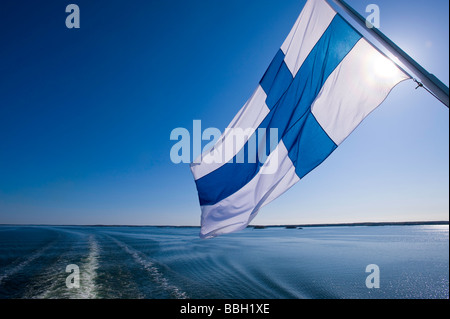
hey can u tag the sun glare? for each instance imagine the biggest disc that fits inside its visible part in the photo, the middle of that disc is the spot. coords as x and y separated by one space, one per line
383 67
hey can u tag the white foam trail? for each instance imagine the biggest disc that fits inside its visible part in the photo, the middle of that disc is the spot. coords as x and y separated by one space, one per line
88 273
24 263
54 277
156 276
57 276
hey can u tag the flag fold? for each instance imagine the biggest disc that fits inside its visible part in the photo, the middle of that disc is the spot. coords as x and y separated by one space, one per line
323 81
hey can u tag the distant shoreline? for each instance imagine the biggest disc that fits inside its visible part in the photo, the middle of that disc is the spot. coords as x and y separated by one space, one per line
358 224
259 226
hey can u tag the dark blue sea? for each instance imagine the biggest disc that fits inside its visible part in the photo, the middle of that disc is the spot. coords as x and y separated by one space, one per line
170 262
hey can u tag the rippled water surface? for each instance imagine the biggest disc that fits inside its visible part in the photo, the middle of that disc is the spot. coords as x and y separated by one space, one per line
170 262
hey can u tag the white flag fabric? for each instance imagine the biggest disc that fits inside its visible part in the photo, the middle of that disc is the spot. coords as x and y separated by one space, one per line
323 81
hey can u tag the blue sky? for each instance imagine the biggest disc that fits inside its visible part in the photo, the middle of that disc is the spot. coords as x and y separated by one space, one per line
86 114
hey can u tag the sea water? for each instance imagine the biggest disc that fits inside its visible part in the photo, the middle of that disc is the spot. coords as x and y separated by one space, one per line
173 262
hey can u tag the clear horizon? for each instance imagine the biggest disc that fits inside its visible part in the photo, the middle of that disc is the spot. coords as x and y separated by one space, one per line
401 223
86 118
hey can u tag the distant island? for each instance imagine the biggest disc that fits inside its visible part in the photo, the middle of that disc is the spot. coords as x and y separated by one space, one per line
292 226
287 226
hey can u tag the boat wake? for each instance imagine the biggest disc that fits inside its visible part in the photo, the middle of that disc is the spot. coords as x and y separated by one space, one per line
156 276
22 264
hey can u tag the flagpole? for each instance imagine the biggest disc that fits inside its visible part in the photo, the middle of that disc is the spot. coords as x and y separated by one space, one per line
430 82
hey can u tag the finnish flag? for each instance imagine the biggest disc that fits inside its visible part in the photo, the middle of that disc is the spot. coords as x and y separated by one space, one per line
323 81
